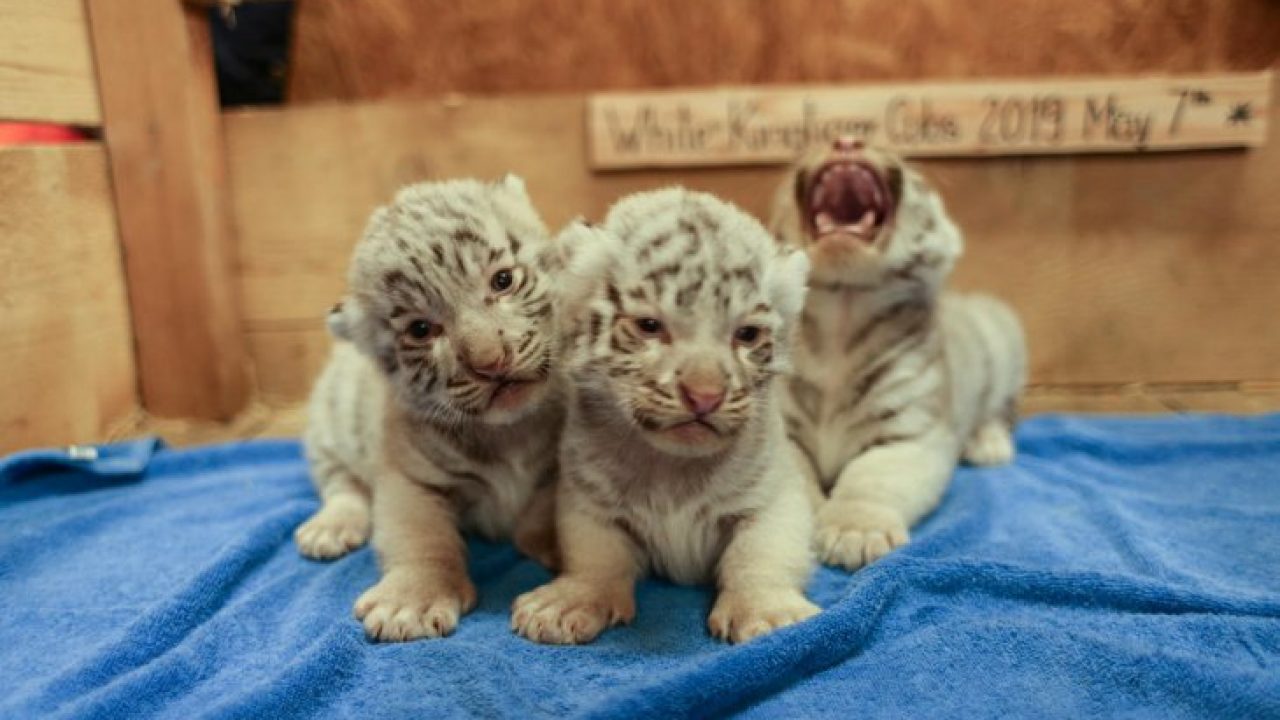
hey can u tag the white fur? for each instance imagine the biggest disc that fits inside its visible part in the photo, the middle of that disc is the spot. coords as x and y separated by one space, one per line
405 439
636 493
893 378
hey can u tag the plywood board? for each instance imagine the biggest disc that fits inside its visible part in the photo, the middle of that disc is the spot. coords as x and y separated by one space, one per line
46 69
165 139
65 346
1155 268
419 48
750 125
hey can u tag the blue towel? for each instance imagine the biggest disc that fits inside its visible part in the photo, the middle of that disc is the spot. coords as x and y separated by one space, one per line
1120 567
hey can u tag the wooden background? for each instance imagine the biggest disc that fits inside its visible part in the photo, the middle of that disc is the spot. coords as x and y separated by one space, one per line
1138 276
1114 262
417 48
1158 269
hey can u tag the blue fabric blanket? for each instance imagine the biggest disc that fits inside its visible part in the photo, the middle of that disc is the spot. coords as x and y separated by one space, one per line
1120 567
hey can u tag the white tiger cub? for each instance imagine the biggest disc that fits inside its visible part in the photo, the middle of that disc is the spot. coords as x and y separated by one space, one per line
441 412
894 381
674 453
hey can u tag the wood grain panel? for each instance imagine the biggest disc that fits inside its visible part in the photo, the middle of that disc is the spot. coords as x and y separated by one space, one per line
417 48
1125 269
46 69
66 351
163 130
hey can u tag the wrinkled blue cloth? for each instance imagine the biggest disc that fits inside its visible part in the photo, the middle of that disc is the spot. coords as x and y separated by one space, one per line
1122 567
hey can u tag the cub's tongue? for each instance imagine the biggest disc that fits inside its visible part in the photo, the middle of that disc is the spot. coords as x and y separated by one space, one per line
848 197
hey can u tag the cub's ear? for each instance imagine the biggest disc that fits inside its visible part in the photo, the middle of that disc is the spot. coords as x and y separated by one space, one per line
346 320
586 254
513 184
787 281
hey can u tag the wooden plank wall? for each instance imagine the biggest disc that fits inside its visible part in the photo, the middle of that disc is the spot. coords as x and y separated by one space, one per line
66 349
381 49
1139 268
46 70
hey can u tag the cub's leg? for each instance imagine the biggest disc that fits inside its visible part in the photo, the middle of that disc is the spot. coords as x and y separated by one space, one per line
808 468
342 522
424 587
535 530
596 589
763 571
991 444
879 495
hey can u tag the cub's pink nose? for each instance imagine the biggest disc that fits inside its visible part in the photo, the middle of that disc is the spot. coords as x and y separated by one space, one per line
847 143
490 369
701 400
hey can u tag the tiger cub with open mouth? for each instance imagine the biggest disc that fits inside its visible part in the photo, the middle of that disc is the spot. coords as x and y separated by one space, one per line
674 455
895 381
440 410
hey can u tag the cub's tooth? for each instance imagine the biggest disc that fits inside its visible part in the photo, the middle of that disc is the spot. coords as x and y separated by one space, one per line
868 221
824 222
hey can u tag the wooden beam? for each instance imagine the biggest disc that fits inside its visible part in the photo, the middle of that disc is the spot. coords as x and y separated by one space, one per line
164 138
46 69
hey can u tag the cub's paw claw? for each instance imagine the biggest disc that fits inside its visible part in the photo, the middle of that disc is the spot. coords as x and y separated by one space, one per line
407 607
852 534
567 611
739 616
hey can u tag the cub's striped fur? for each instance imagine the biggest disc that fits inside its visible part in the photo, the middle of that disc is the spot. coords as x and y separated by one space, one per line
674 453
894 380
439 412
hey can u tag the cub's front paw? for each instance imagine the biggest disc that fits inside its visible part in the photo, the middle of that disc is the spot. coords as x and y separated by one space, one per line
853 533
407 606
568 611
991 445
334 531
740 615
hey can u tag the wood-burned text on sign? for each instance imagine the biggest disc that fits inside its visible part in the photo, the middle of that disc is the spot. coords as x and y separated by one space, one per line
773 124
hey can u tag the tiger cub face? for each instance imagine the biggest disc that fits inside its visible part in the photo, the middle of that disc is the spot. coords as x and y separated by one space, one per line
690 322
864 217
449 292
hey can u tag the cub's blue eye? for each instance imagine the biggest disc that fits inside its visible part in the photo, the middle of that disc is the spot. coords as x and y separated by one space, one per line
649 326
747 334
421 329
501 281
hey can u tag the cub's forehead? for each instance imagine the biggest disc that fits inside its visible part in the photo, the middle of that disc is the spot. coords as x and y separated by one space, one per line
673 221
685 250
443 236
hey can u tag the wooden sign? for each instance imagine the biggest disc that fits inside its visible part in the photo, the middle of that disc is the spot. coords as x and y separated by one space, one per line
772 124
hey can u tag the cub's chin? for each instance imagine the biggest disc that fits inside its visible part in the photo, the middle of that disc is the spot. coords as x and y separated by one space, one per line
513 401
690 439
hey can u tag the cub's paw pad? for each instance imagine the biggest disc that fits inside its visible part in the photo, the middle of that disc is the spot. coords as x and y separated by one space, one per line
332 533
990 445
404 607
740 616
852 534
568 612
